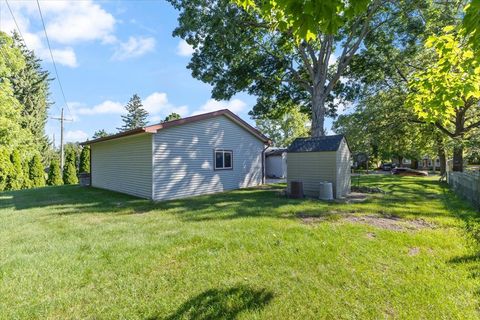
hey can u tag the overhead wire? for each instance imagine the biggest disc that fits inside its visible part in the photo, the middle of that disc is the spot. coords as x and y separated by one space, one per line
53 60
15 21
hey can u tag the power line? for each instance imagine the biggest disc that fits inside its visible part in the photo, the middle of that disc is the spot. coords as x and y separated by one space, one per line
15 20
53 60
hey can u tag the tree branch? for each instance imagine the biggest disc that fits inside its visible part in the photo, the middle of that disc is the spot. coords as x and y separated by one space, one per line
306 62
444 130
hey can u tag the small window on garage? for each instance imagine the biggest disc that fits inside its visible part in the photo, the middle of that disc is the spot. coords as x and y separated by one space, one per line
223 159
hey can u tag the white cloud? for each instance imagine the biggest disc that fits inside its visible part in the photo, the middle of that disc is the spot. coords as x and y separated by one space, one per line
156 104
235 105
78 21
69 23
134 47
76 136
106 107
184 49
66 56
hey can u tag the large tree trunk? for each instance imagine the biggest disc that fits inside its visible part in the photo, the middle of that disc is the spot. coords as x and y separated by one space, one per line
414 164
458 158
318 113
441 154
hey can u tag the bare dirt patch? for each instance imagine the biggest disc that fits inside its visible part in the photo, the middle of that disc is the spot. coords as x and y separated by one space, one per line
380 221
391 222
413 251
371 235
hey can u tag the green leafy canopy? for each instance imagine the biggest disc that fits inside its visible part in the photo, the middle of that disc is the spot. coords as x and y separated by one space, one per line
447 84
305 17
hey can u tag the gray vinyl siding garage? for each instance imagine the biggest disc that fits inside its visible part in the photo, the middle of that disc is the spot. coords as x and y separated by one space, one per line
176 159
123 165
183 159
315 160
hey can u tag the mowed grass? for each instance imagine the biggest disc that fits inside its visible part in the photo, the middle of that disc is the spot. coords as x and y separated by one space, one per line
71 252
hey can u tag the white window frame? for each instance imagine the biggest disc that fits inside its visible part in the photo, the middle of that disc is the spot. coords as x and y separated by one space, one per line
223 158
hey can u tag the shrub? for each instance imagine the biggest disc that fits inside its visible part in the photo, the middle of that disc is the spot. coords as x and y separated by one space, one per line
27 183
69 170
15 178
54 174
37 174
84 160
5 168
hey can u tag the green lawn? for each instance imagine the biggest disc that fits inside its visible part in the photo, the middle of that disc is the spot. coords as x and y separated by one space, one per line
72 252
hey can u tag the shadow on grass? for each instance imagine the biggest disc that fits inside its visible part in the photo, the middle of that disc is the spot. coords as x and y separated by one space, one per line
68 200
221 304
405 195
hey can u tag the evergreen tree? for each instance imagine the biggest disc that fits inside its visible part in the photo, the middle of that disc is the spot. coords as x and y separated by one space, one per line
27 183
15 178
37 174
84 160
70 170
136 116
76 149
54 174
30 87
6 168
100 134
172 116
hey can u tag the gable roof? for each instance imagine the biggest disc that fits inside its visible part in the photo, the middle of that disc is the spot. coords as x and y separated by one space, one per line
165 125
318 144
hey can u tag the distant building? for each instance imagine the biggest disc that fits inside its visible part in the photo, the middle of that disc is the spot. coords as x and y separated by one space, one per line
276 163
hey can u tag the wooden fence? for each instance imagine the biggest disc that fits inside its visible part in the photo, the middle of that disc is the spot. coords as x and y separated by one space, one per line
466 185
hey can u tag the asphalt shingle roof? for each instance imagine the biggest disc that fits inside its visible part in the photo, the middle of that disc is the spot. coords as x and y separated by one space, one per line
325 143
275 152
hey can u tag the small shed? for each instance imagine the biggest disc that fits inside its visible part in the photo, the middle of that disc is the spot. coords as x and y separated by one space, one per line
276 162
320 159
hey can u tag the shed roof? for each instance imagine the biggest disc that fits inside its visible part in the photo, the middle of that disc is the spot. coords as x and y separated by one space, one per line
173 123
275 151
318 144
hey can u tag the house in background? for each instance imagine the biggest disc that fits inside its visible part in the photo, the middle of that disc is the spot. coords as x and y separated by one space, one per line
320 159
202 154
276 163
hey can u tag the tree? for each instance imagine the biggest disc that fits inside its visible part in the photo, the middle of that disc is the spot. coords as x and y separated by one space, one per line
136 116
15 178
54 174
172 116
303 18
30 87
76 149
70 170
284 127
12 134
27 183
6 167
84 165
447 92
37 173
238 50
471 24
379 75
381 127
100 134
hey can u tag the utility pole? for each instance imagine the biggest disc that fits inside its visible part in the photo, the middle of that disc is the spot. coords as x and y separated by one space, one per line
62 156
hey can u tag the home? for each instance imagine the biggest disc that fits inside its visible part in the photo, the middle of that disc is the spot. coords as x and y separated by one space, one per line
202 154
313 161
276 163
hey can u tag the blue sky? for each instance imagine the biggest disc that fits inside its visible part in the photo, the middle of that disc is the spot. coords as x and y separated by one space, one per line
105 52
